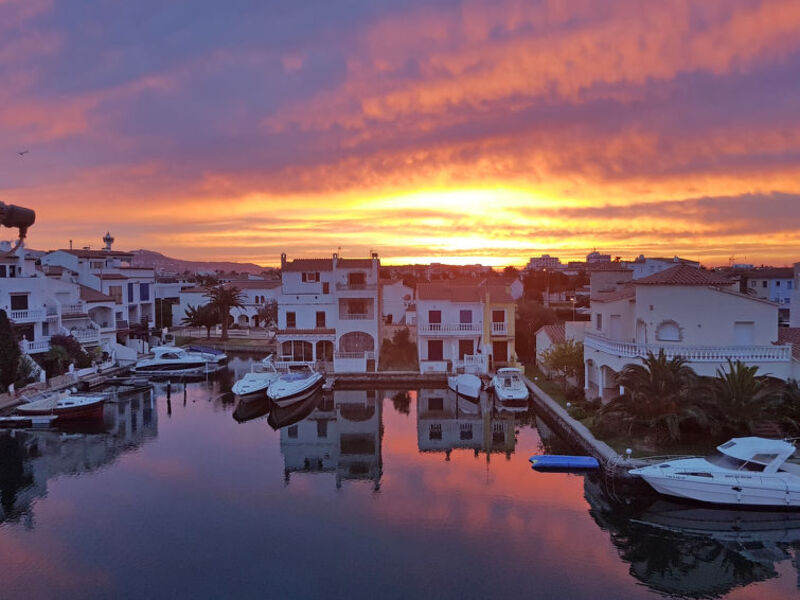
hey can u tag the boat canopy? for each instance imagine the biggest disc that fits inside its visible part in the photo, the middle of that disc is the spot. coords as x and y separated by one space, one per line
756 449
509 371
159 351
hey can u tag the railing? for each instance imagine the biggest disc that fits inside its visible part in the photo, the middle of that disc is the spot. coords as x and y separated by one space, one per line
73 309
85 335
364 355
355 317
40 345
691 353
449 328
499 328
356 286
121 324
35 314
474 363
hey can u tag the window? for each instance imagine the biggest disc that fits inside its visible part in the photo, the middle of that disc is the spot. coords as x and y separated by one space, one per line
435 317
464 347
2 270
598 321
435 350
115 291
498 316
668 331
358 307
322 428
777 284
356 279
435 432
144 292
291 320
435 403
465 317
764 283
96 264
12 271
753 283
320 318
130 292
466 431
311 277
326 287
19 301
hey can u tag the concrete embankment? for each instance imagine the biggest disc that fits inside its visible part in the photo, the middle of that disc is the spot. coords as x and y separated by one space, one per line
386 379
578 434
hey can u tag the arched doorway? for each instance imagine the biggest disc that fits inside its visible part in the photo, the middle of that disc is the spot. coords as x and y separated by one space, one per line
325 350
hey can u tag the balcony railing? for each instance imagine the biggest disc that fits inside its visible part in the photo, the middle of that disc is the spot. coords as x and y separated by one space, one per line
343 287
122 325
22 316
40 345
345 355
85 336
78 309
449 328
769 353
499 328
356 317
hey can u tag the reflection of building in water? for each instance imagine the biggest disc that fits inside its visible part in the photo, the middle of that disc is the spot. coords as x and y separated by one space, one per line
29 458
692 550
446 421
341 436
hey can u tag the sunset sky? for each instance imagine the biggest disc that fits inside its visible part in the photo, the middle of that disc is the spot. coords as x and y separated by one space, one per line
454 131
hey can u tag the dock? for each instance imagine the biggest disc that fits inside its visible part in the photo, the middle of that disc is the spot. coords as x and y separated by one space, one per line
385 379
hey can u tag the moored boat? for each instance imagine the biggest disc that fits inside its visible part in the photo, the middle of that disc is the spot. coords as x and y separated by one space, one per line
510 390
560 462
213 356
257 381
66 407
295 386
748 471
466 385
171 361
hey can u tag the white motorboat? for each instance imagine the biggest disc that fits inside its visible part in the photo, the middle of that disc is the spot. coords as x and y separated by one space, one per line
748 471
212 356
169 360
65 406
295 386
466 385
510 389
257 380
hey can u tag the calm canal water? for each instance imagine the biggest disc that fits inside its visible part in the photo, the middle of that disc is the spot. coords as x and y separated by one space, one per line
364 494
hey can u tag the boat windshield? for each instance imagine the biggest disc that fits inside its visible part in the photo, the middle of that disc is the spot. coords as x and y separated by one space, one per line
735 464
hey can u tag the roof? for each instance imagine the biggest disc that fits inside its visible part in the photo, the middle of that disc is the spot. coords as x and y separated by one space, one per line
91 295
682 274
790 335
771 273
111 276
354 263
309 264
626 293
499 294
556 333
248 284
95 253
447 291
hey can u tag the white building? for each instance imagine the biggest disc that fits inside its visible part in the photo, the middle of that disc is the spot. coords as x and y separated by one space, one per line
397 299
329 312
774 284
645 266
685 311
545 261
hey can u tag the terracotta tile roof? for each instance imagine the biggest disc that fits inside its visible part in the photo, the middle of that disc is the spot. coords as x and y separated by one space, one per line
790 335
684 275
556 333
111 276
90 295
96 253
354 263
254 284
194 290
447 291
771 273
626 293
309 264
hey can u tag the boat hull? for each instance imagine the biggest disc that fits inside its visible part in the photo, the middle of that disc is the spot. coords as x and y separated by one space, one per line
284 398
84 412
767 492
467 386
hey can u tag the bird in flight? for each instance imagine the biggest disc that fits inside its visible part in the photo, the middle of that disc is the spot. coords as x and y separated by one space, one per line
23 152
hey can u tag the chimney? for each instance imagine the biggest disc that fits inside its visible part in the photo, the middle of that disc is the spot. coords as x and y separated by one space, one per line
283 260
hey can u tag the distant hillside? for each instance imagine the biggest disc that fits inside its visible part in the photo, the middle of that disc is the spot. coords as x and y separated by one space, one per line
147 258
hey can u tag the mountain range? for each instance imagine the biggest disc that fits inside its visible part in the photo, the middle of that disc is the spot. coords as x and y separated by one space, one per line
156 260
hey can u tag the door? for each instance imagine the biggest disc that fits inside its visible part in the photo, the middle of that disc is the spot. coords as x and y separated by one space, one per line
500 351
743 333
615 327
435 350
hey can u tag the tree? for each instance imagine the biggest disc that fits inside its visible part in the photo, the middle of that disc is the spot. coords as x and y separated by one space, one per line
223 299
511 271
530 317
201 316
9 352
163 313
268 313
566 359
742 397
660 396
399 353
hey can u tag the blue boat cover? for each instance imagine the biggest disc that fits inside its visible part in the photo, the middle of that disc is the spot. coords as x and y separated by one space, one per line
554 461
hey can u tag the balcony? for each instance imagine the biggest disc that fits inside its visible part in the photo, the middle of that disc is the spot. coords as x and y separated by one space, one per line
356 317
86 336
35 347
27 316
450 328
73 310
356 287
711 354
499 328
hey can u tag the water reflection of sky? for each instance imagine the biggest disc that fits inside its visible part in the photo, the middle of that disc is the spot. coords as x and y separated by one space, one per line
202 508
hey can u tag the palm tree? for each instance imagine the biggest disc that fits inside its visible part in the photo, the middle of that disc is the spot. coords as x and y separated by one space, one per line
268 314
223 299
201 316
742 397
659 396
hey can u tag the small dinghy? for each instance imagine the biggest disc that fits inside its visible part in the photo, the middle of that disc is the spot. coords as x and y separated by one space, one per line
466 385
66 407
557 462
295 386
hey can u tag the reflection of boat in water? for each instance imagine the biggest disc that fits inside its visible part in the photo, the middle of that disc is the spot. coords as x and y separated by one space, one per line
65 406
747 471
691 550
250 408
283 416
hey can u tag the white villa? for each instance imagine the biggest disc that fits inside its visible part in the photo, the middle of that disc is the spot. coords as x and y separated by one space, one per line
685 311
329 313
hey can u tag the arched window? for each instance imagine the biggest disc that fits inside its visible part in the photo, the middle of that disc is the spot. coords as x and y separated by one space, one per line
668 331
356 341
